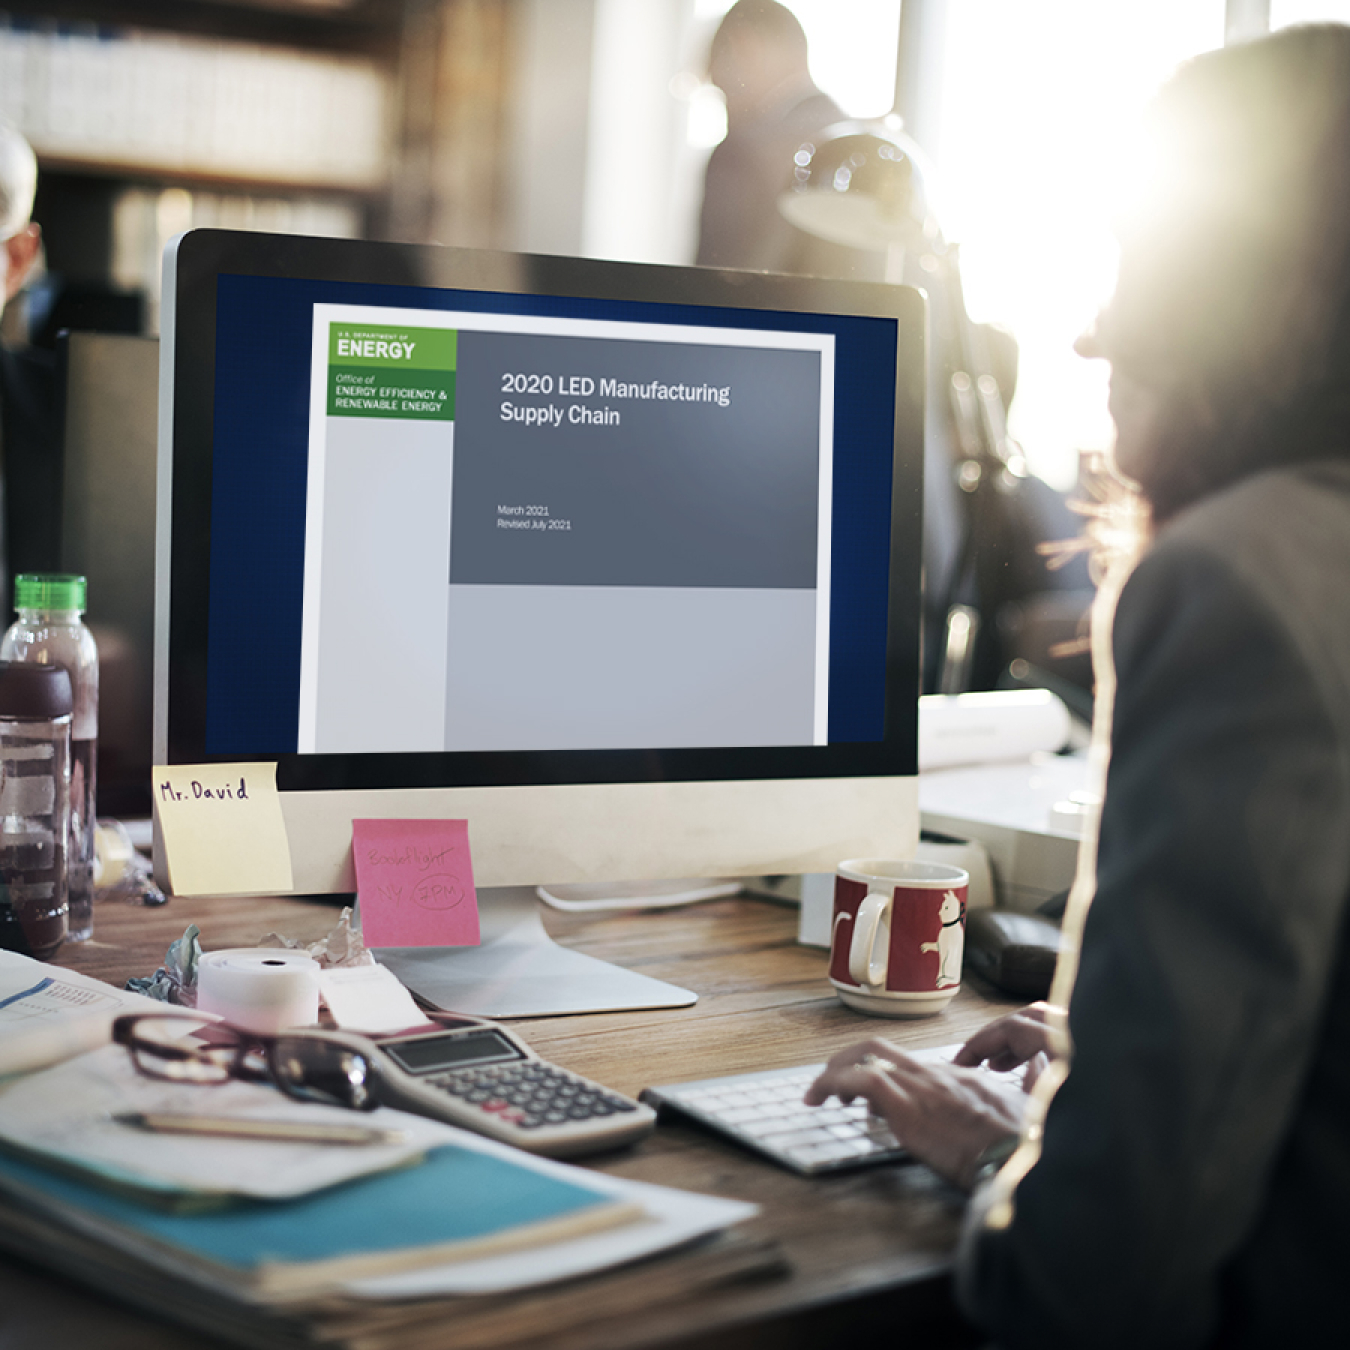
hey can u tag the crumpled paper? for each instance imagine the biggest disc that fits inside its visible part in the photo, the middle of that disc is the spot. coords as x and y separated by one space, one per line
176 980
342 946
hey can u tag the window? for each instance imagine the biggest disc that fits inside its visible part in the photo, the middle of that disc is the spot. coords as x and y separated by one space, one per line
1039 99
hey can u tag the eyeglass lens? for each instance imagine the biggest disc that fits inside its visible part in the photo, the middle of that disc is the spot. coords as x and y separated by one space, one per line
307 1067
314 1069
161 1049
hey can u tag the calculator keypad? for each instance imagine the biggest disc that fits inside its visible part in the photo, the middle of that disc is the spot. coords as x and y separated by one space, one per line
532 1095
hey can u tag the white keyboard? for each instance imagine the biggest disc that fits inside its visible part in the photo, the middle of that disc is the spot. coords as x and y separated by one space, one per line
765 1112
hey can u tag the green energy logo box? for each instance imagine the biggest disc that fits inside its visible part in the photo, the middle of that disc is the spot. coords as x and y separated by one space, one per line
407 373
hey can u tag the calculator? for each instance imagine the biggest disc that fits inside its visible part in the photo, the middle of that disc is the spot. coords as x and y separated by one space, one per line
482 1077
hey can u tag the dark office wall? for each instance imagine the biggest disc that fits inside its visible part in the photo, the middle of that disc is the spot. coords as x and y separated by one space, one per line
76 215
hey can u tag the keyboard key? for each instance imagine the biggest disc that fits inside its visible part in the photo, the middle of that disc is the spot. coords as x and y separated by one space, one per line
706 1101
798 1139
733 1099
766 1129
741 1114
856 1148
831 1115
822 1153
768 1111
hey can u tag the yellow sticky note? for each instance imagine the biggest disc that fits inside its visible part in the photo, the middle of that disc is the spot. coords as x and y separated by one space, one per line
222 829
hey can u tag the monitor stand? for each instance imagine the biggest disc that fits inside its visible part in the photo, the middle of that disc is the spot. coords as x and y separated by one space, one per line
519 971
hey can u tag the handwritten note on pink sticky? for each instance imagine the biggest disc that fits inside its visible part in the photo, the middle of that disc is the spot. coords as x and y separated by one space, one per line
414 879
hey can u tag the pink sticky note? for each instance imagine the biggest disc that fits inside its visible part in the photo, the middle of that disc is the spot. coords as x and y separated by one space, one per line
414 879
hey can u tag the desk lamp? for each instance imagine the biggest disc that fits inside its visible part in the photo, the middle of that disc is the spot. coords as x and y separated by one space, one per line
864 185
868 186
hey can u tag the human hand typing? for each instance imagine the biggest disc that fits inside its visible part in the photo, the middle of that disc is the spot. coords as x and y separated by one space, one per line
1009 1042
944 1114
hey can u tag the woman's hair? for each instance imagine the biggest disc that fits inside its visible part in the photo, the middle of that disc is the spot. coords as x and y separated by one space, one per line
1232 305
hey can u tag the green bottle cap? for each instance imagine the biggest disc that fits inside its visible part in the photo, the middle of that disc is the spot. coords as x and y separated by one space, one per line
48 590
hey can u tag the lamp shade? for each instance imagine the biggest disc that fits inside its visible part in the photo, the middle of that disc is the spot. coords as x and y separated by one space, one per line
864 185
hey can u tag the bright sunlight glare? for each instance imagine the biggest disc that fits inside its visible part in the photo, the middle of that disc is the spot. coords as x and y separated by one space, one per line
852 44
1286 12
1040 101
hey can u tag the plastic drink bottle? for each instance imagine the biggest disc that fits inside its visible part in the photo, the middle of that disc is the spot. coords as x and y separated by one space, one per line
49 631
35 706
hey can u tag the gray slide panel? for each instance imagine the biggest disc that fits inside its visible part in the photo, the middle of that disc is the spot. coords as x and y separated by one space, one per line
605 668
386 541
672 493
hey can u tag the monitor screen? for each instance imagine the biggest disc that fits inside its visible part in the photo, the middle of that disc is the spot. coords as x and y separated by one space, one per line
525 539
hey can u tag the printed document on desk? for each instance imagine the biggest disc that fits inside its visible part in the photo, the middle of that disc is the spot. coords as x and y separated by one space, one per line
48 1013
64 1114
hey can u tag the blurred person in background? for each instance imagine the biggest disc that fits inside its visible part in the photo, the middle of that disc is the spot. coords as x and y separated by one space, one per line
21 238
29 458
758 60
1179 1174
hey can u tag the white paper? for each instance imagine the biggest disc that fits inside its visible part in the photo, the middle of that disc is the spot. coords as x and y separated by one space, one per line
67 1112
673 1218
986 727
368 998
48 1014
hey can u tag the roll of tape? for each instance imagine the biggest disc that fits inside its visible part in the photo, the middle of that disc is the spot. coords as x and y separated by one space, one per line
259 988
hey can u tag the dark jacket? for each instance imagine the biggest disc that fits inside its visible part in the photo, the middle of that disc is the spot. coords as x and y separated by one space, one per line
1194 1183
740 225
30 467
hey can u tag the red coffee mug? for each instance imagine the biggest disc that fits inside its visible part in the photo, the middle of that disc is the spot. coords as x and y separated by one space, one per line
898 935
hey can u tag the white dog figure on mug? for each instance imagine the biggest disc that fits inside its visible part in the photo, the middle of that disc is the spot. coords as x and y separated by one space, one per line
950 941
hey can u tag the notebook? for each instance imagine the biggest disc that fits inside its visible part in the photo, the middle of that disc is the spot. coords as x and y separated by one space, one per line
458 1204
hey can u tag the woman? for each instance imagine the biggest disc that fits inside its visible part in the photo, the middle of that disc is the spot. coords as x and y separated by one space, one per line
1189 1183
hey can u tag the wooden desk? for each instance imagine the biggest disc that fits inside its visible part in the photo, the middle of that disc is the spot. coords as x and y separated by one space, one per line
866 1252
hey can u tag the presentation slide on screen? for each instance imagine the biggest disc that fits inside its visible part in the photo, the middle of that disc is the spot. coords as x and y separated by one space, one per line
536 533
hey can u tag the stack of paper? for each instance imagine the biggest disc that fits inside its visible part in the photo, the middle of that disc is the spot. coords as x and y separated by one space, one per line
454 1205
245 1230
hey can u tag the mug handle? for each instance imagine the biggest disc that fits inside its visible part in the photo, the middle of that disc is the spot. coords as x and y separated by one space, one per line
863 965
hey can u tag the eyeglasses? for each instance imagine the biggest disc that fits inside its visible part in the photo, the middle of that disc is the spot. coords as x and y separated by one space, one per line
311 1066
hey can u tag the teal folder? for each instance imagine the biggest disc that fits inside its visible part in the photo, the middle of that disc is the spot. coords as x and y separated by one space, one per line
456 1204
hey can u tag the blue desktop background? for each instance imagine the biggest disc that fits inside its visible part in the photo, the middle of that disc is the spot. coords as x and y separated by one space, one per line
260 457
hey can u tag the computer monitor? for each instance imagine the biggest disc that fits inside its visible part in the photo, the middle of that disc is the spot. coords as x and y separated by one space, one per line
619 563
